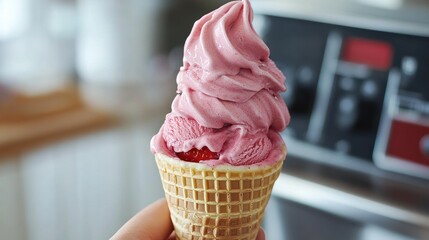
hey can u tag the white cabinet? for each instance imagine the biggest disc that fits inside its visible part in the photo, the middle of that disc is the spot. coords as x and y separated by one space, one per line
82 188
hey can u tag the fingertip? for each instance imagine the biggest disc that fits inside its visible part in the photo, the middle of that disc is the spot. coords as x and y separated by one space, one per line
261 234
172 236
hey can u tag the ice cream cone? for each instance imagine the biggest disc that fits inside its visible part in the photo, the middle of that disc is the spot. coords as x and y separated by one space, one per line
221 202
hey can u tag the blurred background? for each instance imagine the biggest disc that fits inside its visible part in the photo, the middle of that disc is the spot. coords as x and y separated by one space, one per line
85 84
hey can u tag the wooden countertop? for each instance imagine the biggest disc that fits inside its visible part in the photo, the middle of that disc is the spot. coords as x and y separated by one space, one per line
28 122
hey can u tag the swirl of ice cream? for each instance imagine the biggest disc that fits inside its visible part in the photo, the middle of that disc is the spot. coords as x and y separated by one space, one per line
228 93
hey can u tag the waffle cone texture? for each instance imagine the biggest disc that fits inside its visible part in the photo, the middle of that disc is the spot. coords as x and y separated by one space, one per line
222 202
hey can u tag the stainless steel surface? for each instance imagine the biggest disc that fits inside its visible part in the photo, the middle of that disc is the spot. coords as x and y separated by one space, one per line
347 203
361 195
408 17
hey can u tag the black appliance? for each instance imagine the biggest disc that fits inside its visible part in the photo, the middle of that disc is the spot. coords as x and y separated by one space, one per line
358 143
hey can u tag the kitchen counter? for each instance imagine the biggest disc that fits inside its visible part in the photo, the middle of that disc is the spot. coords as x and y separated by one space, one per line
29 122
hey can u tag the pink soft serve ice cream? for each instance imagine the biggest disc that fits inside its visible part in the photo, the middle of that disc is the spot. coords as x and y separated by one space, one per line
228 95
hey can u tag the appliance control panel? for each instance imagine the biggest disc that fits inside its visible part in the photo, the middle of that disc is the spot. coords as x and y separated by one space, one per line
362 93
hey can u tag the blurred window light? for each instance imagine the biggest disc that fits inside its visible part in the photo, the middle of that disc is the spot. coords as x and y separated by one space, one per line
387 4
14 18
62 19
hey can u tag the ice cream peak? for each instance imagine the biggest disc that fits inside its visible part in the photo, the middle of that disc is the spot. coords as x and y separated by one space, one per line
228 93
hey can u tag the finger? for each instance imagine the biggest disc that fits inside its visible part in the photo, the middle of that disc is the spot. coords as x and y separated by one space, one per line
261 234
172 236
153 223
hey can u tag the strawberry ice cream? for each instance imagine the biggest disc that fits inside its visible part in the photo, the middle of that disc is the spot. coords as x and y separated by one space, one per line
228 108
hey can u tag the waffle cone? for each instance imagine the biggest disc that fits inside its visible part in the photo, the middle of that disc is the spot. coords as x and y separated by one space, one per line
222 202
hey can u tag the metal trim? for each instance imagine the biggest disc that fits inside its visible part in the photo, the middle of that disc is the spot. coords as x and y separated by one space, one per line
319 154
324 86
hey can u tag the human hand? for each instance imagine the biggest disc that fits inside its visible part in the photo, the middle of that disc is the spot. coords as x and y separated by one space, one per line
153 223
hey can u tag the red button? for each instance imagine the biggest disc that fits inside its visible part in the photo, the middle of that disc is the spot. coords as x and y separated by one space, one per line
409 141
